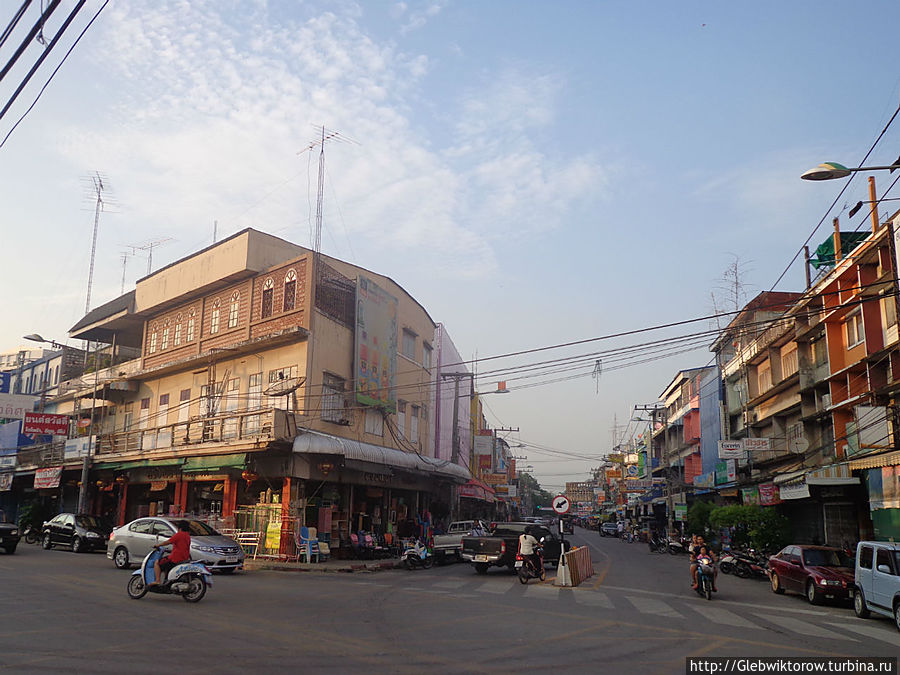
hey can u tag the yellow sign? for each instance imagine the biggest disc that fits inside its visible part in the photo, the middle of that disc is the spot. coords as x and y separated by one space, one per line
494 478
273 536
615 457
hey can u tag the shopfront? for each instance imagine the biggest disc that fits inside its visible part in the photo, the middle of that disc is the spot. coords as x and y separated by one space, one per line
824 506
881 479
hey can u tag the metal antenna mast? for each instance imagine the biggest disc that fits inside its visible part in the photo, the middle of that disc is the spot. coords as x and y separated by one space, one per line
149 246
98 189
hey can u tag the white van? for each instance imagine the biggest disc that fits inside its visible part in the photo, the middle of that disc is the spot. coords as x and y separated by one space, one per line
877 579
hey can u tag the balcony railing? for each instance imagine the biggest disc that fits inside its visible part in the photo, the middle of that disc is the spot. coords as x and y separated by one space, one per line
266 423
46 454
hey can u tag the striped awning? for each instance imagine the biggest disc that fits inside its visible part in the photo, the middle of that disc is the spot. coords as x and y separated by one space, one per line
875 461
836 474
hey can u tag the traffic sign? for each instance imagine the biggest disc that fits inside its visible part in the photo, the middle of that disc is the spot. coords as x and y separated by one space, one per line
561 504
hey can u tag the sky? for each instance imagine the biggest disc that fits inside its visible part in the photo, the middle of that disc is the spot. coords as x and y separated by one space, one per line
534 173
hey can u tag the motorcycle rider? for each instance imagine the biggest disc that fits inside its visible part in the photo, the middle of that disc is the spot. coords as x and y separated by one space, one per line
702 550
181 551
527 546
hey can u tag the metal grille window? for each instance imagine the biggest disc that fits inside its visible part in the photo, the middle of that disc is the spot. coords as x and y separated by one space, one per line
290 290
332 398
214 319
409 344
233 310
374 422
267 296
401 418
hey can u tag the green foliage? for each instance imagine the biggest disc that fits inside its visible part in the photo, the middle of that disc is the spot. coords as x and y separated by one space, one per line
698 517
34 514
758 526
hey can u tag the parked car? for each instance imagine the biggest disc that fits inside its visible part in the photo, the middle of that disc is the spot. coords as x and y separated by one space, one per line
9 534
818 572
568 525
130 543
501 546
877 580
448 546
608 529
81 531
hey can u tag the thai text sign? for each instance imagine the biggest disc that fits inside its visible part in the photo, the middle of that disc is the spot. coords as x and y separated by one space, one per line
613 474
725 472
484 445
45 423
681 512
376 345
494 478
757 444
731 449
639 484
769 494
14 406
47 478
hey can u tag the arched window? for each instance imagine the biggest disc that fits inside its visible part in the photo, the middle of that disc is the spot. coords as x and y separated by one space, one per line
214 319
267 295
177 340
190 326
233 310
153 337
290 290
165 337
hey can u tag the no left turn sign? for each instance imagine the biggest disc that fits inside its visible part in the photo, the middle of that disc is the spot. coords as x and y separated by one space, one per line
561 504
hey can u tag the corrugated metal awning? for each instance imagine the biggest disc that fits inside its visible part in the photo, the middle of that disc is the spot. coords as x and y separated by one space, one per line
317 443
836 474
875 461
787 477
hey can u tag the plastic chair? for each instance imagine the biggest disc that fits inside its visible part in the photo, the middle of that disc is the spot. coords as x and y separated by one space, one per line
355 546
305 548
314 543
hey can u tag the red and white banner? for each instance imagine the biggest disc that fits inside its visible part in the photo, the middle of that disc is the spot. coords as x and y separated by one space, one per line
45 423
47 478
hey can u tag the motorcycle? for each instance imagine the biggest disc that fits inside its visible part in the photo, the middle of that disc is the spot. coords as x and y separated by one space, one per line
727 561
527 569
416 555
188 579
705 577
658 544
751 564
678 546
31 535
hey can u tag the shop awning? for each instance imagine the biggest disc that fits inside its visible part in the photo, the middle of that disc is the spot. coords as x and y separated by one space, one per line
317 443
215 462
875 461
475 489
836 474
121 466
788 477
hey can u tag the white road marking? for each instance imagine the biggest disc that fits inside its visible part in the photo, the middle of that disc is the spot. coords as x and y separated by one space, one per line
491 587
890 636
804 628
452 584
594 599
723 616
651 606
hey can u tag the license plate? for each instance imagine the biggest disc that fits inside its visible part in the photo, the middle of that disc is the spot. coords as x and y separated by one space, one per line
850 593
231 560
518 563
480 558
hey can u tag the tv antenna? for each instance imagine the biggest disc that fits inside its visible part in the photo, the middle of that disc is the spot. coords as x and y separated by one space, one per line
149 246
98 185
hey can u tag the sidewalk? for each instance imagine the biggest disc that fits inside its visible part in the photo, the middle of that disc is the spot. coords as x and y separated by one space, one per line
251 564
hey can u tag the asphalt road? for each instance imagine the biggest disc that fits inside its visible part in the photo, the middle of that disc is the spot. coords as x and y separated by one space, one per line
62 612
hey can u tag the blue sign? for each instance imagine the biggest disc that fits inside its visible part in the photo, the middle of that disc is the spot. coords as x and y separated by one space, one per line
5 382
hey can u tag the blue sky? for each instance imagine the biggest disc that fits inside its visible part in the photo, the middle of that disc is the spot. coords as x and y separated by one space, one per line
534 173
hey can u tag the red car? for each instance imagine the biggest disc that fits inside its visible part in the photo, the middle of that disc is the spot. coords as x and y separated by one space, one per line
818 572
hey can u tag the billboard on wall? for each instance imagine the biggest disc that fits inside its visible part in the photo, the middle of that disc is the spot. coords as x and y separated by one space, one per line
376 345
47 478
45 423
484 445
14 406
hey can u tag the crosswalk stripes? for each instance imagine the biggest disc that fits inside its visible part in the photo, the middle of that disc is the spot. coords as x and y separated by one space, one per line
725 617
652 606
870 631
452 585
804 627
594 599
491 587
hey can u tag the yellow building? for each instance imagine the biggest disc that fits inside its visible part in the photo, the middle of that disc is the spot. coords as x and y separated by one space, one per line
266 375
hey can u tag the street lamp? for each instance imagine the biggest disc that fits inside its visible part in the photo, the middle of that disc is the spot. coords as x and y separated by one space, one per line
34 337
832 170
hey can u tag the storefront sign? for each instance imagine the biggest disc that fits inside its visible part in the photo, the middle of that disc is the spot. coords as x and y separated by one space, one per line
638 484
47 478
273 536
494 478
615 457
769 494
725 472
731 449
158 485
613 474
76 448
798 490
484 445
14 406
6 480
8 459
752 445
380 478
730 492
681 512
750 496
705 480
45 423
154 473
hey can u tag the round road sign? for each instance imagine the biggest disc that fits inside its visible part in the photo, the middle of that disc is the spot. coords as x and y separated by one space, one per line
561 504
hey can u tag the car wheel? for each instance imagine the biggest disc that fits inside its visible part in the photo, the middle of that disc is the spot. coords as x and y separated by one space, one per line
46 542
776 584
120 558
481 568
10 549
897 614
812 594
859 605
77 545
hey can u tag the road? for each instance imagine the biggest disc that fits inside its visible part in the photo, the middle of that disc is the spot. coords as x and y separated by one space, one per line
68 612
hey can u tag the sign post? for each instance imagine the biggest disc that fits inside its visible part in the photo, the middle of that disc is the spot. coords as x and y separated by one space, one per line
561 506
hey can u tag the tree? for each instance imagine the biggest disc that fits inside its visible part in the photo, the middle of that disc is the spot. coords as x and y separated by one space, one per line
761 527
698 517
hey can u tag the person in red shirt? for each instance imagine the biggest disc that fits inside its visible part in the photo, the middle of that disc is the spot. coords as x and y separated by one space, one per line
181 551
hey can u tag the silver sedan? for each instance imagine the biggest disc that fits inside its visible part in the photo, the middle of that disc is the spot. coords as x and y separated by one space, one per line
129 544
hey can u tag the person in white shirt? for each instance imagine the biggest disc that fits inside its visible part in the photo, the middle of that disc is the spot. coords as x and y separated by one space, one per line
527 544
620 528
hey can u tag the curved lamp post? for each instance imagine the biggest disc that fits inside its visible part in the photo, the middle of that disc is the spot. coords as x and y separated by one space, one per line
833 170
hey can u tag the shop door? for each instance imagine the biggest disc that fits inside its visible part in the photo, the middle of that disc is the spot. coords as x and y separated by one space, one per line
841 526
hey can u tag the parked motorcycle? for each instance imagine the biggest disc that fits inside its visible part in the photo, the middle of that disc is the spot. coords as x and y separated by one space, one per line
416 555
31 535
527 569
705 577
727 561
188 579
751 564
658 544
678 546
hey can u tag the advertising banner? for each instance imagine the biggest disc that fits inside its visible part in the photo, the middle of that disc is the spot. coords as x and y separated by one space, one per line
798 490
769 494
484 462
484 445
78 448
376 345
494 478
884 488
47 478
6 480
705 480
757 444
681 512
750 496
14 406
731 449
45 423
725 472
9 438
613 474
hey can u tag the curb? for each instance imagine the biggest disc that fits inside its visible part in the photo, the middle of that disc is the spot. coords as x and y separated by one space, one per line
254 565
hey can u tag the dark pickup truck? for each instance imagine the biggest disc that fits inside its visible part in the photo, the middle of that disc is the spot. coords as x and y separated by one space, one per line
9 534
501 546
